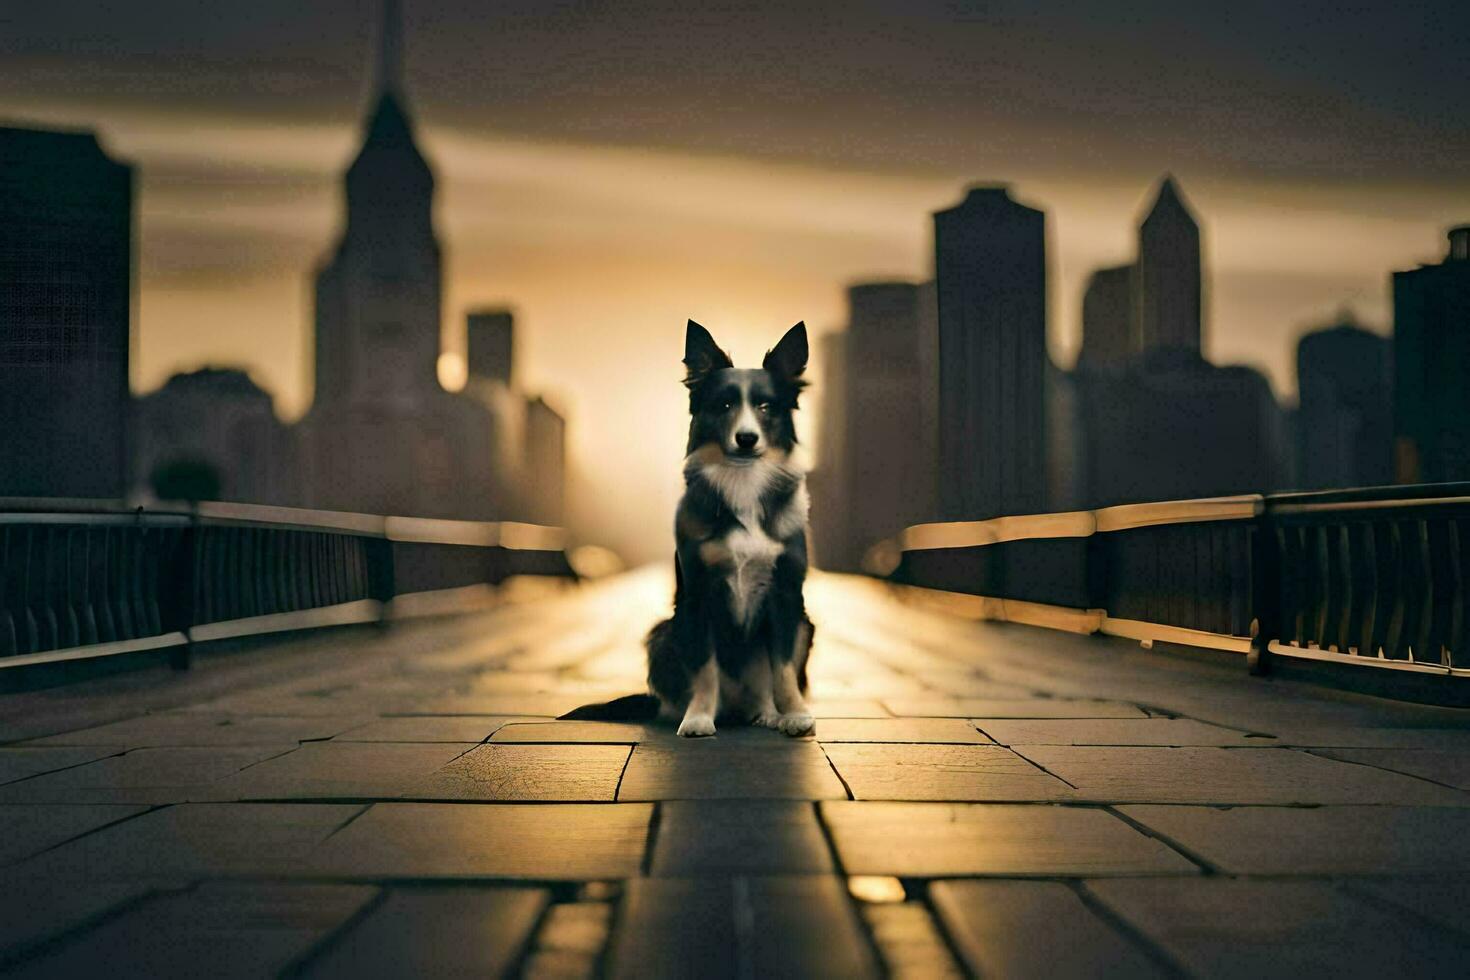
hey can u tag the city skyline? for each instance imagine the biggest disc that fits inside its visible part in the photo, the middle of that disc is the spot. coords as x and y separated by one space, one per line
618 240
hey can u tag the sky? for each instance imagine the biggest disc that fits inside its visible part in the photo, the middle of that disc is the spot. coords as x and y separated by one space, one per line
612 169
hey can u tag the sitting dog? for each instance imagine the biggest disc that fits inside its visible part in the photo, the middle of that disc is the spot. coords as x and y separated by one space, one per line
736 647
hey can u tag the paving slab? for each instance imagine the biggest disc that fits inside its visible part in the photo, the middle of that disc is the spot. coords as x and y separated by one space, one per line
1223 927
22 763
569 944
144 776
909 943
1146 774
1448 766
1037 929
201 840
341 770
736 837
978 773
1317 840
568 841
587 773
199 728
923 840
609 732
1011 708
525 705
1440 900
436 932
739 927
1369 737
955 731
238 929
37 906
699 769
1115 731
26 829
451 728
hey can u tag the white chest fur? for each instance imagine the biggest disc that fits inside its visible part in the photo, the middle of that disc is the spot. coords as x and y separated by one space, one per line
752 552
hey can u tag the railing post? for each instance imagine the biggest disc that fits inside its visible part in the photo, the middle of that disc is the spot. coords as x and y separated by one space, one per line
382 584
1265 592
182 578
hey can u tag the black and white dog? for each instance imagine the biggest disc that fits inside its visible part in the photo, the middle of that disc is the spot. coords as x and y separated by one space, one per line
736 647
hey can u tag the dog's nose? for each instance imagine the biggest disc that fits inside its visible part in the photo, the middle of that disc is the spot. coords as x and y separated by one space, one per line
747 440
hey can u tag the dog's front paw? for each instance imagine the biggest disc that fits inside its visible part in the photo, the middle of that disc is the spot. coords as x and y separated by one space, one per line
697 726
767 719
797 723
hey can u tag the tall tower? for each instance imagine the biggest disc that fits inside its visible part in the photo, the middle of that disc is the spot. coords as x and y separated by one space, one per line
990 275
1431 334
1108 339
66 300
378 295
1167 287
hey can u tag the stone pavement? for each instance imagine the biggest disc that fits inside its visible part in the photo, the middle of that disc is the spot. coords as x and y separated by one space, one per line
978 799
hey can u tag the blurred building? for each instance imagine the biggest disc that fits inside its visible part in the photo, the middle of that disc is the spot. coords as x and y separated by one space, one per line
1109 335
1344 418
66 304
1431 334
1166 290
221 420
832 545
545 471
382 435
990 280
491 344
889 477
1151 419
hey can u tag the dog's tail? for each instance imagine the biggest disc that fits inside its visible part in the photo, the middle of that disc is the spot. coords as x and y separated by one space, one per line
629 707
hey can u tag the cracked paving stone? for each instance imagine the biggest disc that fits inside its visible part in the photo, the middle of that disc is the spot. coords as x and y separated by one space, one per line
776 768
20 762
1222 927
529 772
998 927
976 773
730 837
1317 840
239 929
28 828
341 770
567 841
202 839
734 927
1227 776
935 840
144 776
1115 731
436 932
197 728
1448 766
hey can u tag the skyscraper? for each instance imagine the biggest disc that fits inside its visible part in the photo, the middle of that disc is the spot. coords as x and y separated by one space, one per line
1167 294
889 479
829 483
491 344
66 301
1344 423
1109 337
990 274
382 436
1431 331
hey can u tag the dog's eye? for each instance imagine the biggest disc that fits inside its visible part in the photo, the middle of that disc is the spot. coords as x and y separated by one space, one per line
726 405
763 407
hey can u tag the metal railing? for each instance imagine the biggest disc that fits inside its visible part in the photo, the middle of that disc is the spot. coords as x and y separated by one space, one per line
1373 577
82 579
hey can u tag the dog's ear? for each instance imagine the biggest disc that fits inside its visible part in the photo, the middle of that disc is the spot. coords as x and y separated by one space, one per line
788 358
702 356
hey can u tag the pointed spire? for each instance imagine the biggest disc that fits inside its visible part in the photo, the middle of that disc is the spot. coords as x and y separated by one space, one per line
389 78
